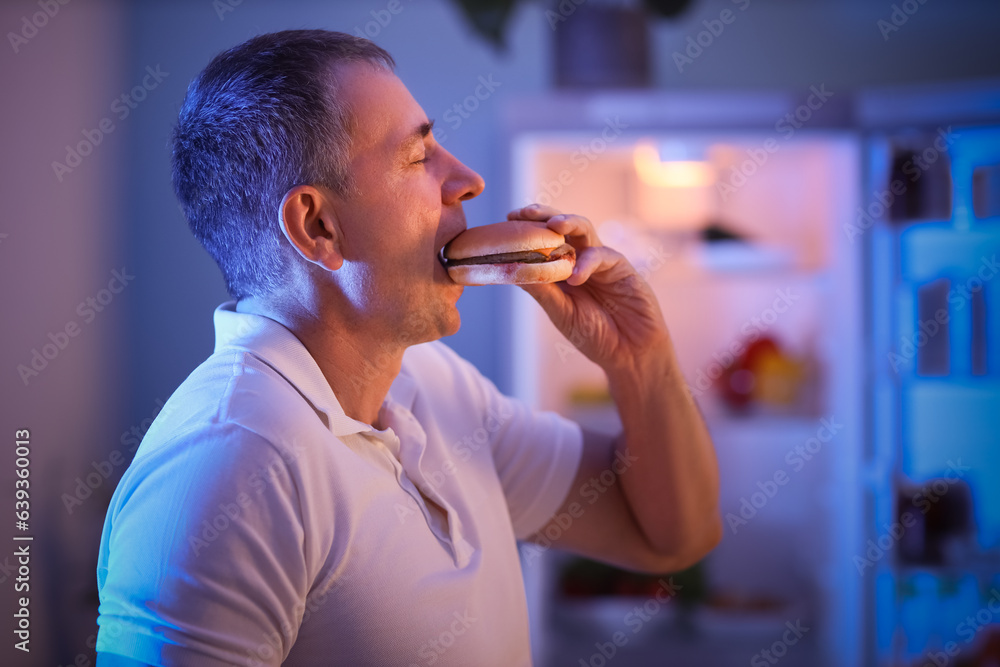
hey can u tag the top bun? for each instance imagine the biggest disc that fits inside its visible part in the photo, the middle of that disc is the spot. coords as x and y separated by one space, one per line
502 237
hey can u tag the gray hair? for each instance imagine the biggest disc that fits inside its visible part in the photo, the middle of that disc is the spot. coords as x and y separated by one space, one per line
261 118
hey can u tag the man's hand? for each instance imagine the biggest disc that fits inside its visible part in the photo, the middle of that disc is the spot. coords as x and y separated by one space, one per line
605 308
663 516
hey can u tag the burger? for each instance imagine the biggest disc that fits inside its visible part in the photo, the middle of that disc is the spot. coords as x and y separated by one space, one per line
513 252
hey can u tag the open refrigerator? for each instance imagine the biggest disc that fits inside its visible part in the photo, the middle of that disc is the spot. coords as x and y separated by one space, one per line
744 213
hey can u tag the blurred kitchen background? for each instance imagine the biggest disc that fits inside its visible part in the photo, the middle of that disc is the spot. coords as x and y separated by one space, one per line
812 188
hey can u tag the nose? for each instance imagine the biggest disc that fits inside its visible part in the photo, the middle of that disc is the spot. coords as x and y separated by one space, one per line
462 182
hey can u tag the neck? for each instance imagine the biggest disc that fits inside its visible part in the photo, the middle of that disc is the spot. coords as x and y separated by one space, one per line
359 365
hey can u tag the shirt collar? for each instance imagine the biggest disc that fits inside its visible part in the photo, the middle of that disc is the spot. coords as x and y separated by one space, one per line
278 347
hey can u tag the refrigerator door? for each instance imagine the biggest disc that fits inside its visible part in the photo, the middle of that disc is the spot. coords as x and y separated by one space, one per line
934 316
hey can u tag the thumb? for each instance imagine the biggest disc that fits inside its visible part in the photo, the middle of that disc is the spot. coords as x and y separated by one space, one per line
549 296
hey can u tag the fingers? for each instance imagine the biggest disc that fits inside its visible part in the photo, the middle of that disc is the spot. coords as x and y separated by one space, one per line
578 229
580 233
609 264
548 295
535 212
553 299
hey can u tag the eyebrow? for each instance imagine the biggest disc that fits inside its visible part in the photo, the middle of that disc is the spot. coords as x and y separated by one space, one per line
417 135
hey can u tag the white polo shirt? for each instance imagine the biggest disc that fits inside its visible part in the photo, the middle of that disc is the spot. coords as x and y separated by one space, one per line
259 524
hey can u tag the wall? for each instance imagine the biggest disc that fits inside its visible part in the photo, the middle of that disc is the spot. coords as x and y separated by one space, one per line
59 244
842 43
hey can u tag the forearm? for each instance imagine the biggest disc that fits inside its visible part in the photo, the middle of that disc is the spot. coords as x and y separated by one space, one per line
673 490
670 495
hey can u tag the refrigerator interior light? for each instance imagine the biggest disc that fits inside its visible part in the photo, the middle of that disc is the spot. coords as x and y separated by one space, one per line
674 187
670 173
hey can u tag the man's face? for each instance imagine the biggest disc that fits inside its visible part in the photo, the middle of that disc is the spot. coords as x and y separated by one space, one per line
407 204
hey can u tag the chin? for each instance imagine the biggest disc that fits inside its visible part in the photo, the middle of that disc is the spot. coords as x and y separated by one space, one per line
455 325
423 328
451 321
448 323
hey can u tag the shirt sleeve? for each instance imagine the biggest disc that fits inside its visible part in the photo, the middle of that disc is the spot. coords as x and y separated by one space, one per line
536 453
202 558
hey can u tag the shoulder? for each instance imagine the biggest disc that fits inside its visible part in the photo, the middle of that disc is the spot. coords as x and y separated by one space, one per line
233 425
236 398
212 459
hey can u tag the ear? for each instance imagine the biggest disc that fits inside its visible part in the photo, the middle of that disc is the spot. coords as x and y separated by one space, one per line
309 224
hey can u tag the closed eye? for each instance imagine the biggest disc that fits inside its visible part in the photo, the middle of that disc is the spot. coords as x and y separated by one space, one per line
420 136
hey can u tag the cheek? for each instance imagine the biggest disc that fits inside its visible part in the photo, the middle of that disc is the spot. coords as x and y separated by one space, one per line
358 285
421 194
418 223
404 215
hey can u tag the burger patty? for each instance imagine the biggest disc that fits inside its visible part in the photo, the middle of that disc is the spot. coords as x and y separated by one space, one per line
522 257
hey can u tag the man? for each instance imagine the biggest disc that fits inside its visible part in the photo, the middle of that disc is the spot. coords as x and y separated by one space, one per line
303 498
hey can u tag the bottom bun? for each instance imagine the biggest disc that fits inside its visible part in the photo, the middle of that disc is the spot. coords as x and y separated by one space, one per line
517 273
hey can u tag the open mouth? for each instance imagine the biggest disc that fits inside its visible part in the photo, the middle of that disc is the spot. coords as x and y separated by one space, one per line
440 252
446 277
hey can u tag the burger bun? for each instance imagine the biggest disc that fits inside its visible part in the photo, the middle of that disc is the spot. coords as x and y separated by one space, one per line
530 241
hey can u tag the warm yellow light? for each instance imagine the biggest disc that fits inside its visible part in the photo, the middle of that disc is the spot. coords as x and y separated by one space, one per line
671 174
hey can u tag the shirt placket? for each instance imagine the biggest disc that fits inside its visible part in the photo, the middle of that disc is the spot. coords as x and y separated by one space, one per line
415 467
